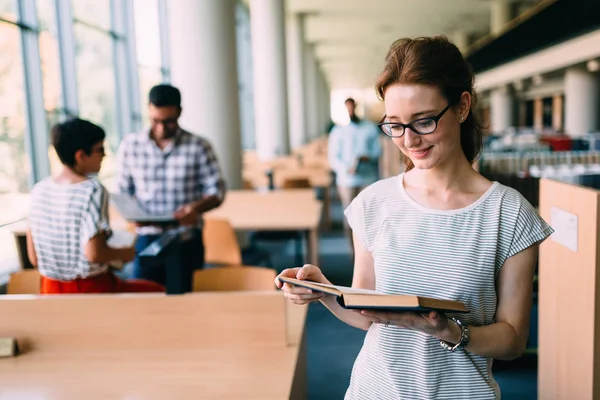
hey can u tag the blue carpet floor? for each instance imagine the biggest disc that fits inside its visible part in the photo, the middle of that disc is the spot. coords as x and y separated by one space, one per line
333 346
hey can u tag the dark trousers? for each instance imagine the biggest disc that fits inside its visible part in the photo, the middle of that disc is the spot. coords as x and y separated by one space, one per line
191 259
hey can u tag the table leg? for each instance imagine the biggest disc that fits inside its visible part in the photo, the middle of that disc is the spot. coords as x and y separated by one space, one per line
327 209
312 246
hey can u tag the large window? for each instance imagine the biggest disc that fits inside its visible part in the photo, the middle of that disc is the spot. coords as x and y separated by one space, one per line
95 65
50 68
15 165
148 48
81 59
50 60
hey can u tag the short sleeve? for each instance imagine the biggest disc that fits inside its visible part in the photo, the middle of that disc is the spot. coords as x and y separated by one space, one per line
530 228
363 219
95 216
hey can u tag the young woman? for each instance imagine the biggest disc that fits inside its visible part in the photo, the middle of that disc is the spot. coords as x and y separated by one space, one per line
439 230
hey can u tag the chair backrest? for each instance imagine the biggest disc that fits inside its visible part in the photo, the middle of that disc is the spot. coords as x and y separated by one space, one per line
221 245
27 281
234 279
296 183
248 184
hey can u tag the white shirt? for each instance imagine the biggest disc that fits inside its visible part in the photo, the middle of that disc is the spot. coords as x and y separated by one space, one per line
346 145
446 254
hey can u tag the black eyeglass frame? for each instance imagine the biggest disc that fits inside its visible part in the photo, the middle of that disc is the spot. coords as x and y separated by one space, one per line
435 119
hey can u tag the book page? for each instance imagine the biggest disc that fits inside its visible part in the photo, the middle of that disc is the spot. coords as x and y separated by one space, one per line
130 209
347 289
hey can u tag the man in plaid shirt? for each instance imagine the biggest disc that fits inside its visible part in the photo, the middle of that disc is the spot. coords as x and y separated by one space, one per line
170 170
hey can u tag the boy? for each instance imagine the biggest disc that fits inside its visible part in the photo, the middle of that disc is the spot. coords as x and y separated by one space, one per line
68 222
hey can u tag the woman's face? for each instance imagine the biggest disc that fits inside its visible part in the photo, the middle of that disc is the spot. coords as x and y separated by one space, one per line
407 103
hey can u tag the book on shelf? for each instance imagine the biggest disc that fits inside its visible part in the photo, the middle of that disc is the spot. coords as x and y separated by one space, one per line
364 299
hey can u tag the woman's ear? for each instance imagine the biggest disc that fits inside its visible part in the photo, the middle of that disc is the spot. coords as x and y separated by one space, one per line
464 106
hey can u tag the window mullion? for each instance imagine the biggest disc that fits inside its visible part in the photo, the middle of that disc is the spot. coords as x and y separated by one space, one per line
36 134
66 46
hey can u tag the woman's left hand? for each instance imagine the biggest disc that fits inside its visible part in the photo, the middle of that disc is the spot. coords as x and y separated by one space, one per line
432 323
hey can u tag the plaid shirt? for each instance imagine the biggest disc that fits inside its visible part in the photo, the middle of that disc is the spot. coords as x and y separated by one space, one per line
165 179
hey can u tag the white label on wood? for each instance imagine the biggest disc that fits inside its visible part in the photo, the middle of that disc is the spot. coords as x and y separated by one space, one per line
565 227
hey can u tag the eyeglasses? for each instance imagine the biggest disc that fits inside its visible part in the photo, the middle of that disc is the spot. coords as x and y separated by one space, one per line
99 150
421 126
169 122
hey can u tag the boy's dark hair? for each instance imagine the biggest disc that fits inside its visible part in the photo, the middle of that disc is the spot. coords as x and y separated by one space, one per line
164 96
350 100
72 135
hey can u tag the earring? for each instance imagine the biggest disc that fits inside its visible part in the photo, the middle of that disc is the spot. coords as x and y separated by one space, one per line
462 119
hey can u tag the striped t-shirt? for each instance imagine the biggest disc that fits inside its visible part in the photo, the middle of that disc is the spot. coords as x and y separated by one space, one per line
63 218
447 254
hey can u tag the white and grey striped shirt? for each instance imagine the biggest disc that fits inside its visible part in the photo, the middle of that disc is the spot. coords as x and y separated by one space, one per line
448 254
62 219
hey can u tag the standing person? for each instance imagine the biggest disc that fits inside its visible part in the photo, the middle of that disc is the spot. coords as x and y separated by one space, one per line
439 230
69 229
354 151
170 170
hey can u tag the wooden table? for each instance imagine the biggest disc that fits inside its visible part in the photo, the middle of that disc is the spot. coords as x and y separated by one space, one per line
277 210
318 178
150 346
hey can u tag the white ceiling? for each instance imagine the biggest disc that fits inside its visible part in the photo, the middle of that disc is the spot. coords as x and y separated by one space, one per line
351 37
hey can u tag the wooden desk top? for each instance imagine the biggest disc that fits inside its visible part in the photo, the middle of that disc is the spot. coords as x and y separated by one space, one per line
293 209
241 345
318 177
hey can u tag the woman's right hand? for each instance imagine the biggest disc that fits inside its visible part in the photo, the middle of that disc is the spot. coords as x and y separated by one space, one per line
300 295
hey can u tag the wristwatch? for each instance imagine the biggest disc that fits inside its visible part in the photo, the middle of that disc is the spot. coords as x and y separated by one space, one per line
464 337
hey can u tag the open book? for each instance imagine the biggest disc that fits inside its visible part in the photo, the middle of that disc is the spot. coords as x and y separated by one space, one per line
363 299
130 209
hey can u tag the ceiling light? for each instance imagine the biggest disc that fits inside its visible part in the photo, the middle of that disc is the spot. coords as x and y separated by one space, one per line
593 66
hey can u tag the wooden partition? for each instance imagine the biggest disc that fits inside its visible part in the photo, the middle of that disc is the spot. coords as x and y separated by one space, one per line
569 298
149 346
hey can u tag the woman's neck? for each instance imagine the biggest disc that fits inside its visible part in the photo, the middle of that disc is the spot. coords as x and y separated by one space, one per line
453 175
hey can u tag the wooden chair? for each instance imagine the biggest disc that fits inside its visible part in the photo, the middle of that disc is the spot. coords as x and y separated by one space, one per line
248 184
296 183
24 282
220 243
221 246
234 279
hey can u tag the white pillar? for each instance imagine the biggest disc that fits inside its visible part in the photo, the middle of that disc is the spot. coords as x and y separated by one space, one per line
267 20
246 84
501 13
323 103
501 109
582 102
296 80
312 102
203 67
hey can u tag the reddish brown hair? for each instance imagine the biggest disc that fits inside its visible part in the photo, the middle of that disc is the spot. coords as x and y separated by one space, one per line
437 62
